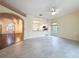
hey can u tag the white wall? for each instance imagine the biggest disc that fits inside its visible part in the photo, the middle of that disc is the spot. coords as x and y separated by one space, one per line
29 33
68 26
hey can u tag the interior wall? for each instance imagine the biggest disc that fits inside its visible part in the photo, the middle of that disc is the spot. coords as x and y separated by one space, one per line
68 26
18 26
29 33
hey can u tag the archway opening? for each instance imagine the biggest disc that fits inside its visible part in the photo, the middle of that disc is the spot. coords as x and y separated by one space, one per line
11 29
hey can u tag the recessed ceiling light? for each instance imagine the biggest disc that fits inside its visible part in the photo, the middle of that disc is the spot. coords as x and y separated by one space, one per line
40 15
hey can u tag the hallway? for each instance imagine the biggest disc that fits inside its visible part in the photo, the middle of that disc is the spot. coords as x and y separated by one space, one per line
43 47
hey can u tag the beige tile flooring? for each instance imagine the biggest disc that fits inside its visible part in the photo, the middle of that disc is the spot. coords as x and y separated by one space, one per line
44 47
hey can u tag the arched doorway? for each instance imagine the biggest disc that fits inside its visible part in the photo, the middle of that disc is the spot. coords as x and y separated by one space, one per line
11 29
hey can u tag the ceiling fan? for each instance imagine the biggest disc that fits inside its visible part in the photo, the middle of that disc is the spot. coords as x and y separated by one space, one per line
54 11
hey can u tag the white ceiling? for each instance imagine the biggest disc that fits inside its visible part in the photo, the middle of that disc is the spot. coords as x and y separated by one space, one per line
36 7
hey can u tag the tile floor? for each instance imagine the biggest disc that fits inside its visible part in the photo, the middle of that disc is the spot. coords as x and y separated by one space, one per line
44 47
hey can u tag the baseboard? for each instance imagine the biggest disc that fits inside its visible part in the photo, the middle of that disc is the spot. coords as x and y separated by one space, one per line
67 38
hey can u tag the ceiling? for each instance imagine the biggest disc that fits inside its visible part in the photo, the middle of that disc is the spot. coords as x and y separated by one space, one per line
42 7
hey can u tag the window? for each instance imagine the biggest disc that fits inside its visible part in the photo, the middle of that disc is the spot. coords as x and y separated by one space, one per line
54 28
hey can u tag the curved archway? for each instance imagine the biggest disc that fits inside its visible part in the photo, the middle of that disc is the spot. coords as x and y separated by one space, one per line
11 29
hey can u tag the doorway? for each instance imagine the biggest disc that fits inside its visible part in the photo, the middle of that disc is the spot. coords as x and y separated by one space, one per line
11 29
